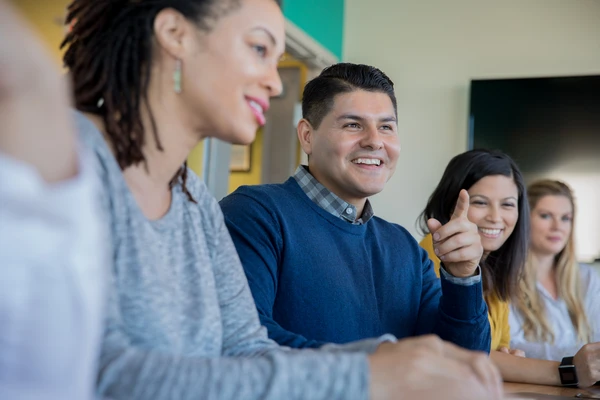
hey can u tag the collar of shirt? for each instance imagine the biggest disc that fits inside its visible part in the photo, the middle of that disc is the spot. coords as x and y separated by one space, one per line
328 201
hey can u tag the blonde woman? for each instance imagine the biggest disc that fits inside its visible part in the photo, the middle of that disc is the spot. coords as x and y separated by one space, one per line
558 309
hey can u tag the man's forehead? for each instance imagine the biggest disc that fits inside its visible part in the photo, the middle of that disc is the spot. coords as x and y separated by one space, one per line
362 103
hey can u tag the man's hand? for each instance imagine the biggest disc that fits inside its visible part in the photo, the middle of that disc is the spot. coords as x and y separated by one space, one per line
457 243
426 367
587 364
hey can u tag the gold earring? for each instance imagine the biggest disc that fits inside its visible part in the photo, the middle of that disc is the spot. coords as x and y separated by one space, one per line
177 77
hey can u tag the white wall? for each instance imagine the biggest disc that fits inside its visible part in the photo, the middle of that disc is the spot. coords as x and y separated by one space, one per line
431 50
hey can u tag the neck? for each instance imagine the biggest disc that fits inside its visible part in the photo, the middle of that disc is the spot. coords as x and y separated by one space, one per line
176 139
544 265
149 181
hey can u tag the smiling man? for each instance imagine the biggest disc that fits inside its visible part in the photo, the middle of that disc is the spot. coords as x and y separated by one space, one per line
321 266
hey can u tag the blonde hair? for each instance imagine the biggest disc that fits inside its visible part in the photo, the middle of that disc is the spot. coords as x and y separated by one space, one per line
568 279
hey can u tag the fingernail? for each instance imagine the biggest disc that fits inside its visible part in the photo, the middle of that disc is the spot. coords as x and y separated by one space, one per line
442 258
435 250
436 236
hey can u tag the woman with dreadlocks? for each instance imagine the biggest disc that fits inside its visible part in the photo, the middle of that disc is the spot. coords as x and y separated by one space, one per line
151 79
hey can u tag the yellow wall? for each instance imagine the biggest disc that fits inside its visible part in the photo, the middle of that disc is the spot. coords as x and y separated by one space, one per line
252 177
195 159
236 179
45 17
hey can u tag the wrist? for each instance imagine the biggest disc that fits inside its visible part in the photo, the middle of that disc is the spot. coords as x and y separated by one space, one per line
460 272
568 373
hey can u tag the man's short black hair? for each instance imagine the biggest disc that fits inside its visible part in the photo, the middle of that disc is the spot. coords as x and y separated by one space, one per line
319 93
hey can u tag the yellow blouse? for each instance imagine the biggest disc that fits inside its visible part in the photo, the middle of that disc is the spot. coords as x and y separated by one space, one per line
497 309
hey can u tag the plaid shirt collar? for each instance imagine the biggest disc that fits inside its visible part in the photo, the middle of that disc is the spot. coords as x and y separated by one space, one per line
328 201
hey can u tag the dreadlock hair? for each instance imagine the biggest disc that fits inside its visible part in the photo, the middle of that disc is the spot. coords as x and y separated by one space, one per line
109 51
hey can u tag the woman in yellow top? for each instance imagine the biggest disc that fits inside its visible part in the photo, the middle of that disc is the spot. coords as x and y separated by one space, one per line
499 207
498 310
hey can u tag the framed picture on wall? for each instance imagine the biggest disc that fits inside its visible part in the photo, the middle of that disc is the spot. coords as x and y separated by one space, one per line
240 158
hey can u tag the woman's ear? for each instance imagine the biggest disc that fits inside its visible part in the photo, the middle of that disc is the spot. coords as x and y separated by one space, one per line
170 31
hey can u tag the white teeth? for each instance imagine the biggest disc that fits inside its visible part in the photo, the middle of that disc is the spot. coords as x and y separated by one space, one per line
256 106
368 161
491 232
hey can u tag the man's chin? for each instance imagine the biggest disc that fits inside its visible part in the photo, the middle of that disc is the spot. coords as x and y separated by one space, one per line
371 191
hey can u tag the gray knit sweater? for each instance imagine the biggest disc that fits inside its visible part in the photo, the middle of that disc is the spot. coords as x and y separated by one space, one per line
182 323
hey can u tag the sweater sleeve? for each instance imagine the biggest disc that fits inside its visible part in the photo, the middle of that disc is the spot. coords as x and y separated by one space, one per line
251 366
460 313
131 372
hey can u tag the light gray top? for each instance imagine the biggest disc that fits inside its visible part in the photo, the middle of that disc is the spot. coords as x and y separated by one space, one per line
565 337
182 323
52 284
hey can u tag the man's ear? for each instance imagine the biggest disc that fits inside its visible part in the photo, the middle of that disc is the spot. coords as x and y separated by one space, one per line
305 134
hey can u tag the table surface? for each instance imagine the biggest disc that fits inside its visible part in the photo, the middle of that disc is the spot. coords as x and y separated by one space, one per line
551 390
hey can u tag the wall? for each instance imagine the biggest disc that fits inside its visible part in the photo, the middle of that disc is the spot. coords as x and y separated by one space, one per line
321 19
432 49
252 177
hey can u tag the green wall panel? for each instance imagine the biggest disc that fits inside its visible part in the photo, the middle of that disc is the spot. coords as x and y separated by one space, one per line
323 20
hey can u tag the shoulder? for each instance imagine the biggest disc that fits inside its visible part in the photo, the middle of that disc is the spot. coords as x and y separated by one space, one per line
427 243
198 189
267 197
262 192
497 308
206 204
396 229
590 277
90 137
397 235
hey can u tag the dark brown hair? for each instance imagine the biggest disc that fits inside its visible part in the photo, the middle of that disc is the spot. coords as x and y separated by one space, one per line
502 268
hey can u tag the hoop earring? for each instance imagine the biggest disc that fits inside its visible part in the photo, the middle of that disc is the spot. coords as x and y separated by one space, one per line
177 77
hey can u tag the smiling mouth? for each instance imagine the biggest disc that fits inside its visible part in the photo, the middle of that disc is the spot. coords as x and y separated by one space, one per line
490 233
258 111
376 162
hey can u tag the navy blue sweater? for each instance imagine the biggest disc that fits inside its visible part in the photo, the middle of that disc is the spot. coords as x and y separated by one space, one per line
318 279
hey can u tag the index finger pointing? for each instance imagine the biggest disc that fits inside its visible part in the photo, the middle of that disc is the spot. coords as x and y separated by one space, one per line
462 205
